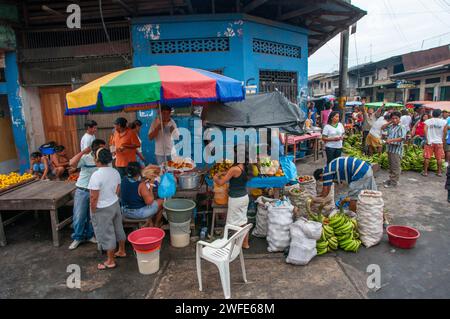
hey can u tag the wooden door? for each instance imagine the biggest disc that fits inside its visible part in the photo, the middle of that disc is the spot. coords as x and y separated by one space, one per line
58 127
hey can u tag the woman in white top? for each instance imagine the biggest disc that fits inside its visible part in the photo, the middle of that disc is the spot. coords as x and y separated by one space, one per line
106 216
333 135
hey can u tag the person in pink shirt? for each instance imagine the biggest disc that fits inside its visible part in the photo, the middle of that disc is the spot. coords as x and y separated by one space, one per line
326 113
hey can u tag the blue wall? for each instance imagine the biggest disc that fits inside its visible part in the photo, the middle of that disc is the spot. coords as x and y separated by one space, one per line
16 109
240 62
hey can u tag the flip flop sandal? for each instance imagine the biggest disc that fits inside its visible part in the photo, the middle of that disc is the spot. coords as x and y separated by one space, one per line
423 174
119 256
104 266
440 175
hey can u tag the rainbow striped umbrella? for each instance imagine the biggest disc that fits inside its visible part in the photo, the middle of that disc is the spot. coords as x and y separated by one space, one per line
146 87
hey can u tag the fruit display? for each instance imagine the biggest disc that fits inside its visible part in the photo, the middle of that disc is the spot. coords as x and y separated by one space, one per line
270 167
220 167
13 179
305 179
412 159
338 231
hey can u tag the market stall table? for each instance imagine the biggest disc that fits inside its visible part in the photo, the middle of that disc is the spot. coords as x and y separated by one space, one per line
294 140
39 196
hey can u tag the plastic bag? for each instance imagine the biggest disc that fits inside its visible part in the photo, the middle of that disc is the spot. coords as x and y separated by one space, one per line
310 229
302 253
289 168
370 208
168 186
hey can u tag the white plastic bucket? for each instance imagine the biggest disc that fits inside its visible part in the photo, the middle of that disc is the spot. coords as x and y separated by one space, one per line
148 262
180 234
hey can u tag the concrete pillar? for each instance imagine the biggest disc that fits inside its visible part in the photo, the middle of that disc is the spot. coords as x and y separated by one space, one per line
16 110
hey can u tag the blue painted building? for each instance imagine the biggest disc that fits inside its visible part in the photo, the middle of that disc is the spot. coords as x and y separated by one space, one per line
243 47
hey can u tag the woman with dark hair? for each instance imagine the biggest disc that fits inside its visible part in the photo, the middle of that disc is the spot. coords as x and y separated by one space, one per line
137 197
136 127
418 130
238 199
126 142
106 217
333 135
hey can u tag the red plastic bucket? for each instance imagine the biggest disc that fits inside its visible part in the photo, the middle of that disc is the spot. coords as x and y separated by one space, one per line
146 239
402 236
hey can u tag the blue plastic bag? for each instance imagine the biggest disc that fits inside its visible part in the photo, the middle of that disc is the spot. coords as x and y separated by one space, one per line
289 168
168 186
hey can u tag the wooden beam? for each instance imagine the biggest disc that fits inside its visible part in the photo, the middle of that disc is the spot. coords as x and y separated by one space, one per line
253 5
299 12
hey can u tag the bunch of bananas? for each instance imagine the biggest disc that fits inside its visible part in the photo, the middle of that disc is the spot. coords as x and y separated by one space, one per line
412 159
328 241
346 232
12 179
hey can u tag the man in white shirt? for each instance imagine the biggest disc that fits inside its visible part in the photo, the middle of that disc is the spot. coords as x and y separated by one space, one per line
164 147
89 136
373 139
435 134
406 119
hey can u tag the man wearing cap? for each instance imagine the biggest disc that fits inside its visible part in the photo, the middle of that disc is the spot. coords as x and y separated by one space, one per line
164 148
126 144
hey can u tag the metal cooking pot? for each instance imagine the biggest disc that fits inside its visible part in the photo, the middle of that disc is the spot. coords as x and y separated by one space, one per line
189 180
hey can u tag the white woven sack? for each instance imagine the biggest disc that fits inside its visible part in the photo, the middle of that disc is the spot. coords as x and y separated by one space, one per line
309 187
260 229
278 237
370 217
302 253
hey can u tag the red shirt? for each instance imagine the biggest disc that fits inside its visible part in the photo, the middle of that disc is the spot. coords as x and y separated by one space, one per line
420 129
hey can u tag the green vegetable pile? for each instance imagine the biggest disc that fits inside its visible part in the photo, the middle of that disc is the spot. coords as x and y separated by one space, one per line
412 155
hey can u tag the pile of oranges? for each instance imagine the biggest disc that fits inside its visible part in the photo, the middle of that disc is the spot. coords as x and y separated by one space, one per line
12 179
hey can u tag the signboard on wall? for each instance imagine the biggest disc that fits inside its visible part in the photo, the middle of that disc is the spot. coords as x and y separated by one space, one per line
403 84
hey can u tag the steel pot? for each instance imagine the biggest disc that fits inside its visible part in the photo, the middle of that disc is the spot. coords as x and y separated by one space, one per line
189 180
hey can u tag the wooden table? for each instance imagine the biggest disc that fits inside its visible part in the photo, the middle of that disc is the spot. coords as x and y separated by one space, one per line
294 140
39 196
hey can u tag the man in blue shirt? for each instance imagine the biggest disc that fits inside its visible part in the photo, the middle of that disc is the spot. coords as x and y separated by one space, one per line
355 172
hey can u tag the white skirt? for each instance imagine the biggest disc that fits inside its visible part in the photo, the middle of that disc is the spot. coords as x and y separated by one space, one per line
237 210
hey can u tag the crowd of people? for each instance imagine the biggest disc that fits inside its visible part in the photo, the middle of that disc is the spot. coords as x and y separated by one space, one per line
393 128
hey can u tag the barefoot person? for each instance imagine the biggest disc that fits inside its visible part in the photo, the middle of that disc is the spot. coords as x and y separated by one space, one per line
138 201
60 162
238 199
82 227
104 187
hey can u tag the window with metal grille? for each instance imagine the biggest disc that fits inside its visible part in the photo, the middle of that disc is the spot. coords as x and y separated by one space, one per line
274 48
190 45
283 81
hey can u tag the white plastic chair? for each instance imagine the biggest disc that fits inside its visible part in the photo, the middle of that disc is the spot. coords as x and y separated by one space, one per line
222 252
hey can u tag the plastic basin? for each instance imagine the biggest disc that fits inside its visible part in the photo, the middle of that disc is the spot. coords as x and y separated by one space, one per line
146 239
179 210
402 236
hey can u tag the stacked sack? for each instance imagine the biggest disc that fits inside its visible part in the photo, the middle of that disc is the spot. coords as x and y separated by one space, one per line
370 217
280 217
304 234
263 203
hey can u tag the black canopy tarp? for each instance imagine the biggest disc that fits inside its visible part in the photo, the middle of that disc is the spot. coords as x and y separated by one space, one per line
270 110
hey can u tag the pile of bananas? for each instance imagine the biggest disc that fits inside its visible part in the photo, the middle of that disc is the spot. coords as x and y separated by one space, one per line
12 179
328 241
412 159
345 229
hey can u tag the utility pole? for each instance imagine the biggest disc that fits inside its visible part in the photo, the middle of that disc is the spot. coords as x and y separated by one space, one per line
343 71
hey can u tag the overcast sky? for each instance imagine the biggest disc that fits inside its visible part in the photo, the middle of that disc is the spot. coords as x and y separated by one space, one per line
391 27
